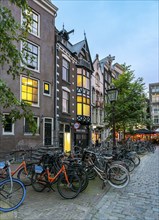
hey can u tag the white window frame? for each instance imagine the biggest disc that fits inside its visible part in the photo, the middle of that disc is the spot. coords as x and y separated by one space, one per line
38 126
38 20
32 104
38 56
8 133
49 84
67 112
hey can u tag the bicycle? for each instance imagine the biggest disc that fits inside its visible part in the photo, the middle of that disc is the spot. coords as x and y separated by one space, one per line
113 173
68 182
23 171
12 191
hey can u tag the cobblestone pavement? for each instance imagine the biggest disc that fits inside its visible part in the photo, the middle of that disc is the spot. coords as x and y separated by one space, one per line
138 201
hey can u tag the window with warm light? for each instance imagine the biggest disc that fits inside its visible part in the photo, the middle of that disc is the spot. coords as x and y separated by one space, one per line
65 101
83 105
47 89
79 80
30 91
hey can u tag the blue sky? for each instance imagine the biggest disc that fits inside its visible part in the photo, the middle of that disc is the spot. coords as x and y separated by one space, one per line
126 29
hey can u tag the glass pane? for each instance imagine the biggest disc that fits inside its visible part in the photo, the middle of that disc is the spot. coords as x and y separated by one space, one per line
79 109
79 80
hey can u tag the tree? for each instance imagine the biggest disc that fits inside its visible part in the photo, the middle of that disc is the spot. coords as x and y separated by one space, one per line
11 34
130 107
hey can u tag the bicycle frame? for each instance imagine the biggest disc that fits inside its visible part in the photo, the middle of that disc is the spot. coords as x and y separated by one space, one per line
52 179
23 164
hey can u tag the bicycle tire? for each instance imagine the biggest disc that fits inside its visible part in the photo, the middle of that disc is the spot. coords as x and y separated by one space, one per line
118 176
11 201
69 191
136 160
25 177
80 171
38 182
130 164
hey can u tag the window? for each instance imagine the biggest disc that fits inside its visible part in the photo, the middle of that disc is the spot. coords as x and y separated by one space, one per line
97 79
83 105
85 82
65 70
34 26
8 128
31 55
30 91
47 89
156 119
27 129
65 101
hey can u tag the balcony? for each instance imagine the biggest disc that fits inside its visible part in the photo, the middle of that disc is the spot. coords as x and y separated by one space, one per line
84 63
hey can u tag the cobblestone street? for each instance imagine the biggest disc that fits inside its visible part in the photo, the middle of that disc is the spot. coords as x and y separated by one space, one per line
138 201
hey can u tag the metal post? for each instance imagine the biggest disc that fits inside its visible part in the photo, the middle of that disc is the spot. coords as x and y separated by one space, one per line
113 120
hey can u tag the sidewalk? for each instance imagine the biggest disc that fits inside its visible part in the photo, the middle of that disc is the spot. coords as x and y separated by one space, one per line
138 201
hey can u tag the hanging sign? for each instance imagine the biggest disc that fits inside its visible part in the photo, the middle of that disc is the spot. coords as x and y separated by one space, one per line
76 125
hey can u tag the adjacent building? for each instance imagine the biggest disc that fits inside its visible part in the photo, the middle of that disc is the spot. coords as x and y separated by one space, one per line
72 92
38 88
154 104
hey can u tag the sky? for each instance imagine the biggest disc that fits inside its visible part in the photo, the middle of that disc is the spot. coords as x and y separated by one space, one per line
126 29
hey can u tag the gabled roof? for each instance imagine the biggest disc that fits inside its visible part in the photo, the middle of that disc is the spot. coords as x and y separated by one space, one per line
78 47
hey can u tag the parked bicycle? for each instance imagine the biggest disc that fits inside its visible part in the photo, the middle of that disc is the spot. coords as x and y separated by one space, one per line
12 191
23 171
113 173
68 182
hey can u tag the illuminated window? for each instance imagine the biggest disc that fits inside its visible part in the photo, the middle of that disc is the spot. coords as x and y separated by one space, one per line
85 82
65 70
65 101
47 89
8 128
79 108
27 128
79 80
30 55
86 110
29 91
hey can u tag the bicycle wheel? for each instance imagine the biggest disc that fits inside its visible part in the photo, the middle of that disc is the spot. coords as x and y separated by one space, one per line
130 164
25 177
118 176
80 171
136 160
71 190
38 182
11 200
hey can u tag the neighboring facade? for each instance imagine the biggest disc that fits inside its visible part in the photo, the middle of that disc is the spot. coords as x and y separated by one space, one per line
38 89
110 71
154 104
97 103
73 92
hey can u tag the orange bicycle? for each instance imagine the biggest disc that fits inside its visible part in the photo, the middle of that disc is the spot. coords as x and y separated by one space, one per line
23 171
68 182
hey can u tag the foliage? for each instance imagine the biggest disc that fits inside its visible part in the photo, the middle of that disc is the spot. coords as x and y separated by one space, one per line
130 107
12 33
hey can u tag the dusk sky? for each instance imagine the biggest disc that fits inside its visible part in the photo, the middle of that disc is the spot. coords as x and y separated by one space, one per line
126 29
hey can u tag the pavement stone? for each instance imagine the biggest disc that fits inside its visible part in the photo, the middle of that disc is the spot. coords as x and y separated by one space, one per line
138 201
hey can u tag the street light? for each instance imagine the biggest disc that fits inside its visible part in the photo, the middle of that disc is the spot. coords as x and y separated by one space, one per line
112 94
